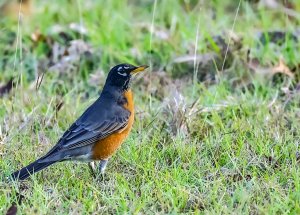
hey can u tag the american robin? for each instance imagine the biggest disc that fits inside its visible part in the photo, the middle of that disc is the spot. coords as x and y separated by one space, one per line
100 130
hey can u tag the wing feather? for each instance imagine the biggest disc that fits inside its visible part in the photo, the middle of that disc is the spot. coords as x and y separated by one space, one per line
97 122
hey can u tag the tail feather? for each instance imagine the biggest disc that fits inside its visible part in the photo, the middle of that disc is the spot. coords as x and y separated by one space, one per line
30 169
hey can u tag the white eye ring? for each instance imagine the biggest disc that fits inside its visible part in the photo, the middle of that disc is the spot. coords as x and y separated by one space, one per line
123 74
120 68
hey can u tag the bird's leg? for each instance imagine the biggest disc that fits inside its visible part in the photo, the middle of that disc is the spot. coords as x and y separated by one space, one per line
102 165
92 168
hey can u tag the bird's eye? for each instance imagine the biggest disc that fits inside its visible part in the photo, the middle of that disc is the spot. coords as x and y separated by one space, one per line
122 73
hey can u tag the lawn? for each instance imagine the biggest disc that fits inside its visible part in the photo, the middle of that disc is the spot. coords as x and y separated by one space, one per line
217 125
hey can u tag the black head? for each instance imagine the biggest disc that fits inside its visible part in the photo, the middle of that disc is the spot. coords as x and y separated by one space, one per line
119 76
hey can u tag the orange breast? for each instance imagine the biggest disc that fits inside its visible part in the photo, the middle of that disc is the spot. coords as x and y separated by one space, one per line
104 148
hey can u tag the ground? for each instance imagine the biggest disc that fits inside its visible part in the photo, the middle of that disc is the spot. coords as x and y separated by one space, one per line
217 114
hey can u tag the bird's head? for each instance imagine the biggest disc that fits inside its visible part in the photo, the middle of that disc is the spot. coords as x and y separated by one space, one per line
120 76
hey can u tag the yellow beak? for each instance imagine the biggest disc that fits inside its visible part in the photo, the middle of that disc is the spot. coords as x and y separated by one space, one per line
139 69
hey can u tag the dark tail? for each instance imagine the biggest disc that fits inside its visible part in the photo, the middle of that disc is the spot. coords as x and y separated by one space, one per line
30 169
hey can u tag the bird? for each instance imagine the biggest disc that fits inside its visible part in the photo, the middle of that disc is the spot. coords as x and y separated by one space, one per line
100 130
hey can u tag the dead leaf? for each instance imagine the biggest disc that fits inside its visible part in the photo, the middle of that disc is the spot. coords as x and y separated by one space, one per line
77 27
272 4
97 78
67 59
157 31
223 42
79 47
178 113
255 66
194 58
136 53
57 52
37 36
158 84
64 52
282 68
162 34
12 210
5 89
273 73
70 32
205 66
174 111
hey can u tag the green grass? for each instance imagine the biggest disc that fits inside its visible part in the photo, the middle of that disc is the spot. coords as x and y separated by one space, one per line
240 153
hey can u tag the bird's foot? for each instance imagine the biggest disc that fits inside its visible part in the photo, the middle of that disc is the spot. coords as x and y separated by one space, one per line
102 167
98 174
93 169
